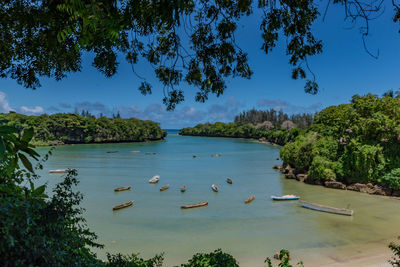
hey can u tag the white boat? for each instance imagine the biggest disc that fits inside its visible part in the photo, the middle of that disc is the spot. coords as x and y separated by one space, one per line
285 197
154 179
323 208
214 188
59 171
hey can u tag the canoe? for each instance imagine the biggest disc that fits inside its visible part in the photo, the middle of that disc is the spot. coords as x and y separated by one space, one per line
214 188
201 204
135 151
165 187
250 199
122 188
229 181
183 188
323 208
59 171
154 179
113 151
285 197
124 205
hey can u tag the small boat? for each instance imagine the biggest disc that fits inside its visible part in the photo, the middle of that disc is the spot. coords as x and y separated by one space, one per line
183 188
113 151
228 180
323 208
277 158
154 179
250 199
216 155
59 171
124 205
150 153
214 188
165 187
122 188
201 204
285 197
135 151
194 156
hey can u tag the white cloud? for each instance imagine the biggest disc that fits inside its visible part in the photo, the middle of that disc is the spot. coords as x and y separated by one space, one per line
31 111
288 107
4 106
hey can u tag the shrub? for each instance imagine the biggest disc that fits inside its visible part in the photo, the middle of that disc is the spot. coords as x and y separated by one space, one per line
322 169
212 259
392 179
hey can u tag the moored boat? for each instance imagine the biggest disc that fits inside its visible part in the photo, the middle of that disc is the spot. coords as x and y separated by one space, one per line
165 187
228 180
154 179
59 171
214 188
135 151
216 155
285 197
122 188
124 205
201 204
183 188
319 207
113 151
250 199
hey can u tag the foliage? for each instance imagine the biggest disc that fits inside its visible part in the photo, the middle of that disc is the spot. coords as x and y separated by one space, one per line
133 261
216 258
284 258
73 128
190 41
392 179
395 261
355 142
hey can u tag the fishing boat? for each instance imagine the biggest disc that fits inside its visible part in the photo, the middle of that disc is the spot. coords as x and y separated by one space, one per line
122 188
59 171
201 204
228 180
183 188
214 188
165 187
154 179
113 151
135 151
285 197
124 205
323 208
250 199
216 155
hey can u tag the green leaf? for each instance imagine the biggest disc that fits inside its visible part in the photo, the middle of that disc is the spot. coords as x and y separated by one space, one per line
26 162
2 147
7 129
28 135
40 190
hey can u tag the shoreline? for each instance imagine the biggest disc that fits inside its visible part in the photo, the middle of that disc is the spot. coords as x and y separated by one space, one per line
60 143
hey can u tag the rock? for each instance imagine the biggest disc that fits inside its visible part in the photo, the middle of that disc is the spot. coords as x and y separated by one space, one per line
287 169
396 193
379 190
277 167
363 188
276 255
335 185
301 177
290 175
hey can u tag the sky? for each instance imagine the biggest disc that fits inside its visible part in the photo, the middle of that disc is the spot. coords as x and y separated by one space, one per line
342 70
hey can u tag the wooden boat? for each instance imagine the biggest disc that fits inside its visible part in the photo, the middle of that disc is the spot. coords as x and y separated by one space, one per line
194 156
201 204
59 171
228 180
135 151
165 187
150 153
214 188
124 205
250 199
285 197
183 188
323 208
122 188
154 179
113 151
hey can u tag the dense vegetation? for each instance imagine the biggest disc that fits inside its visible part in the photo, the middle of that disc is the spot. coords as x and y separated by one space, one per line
276 118
278 136
74 128
355 142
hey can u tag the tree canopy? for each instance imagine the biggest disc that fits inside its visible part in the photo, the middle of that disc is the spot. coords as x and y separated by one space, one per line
188 42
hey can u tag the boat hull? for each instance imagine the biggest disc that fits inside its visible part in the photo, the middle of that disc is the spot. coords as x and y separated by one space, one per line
284 198
197 205
119 189
214 188
328 209
58 171
165 187
124 205
250 199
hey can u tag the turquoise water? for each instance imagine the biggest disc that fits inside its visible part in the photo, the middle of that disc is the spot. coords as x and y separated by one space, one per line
250 232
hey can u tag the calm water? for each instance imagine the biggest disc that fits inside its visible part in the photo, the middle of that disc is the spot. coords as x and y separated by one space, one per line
250 232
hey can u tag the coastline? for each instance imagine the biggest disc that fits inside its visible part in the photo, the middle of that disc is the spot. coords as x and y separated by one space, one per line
60 143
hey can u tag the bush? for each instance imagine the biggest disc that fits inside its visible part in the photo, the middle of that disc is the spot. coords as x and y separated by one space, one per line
212 259
322 169
392 179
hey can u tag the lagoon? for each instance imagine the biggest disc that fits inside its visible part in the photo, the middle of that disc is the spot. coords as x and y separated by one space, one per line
155 223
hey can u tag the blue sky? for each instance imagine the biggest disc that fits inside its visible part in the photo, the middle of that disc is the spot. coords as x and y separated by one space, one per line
344 69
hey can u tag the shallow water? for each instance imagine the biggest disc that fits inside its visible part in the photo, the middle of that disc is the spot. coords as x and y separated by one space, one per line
250 232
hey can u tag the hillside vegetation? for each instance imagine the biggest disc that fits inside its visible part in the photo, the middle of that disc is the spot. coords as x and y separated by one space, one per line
355 142
73 128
